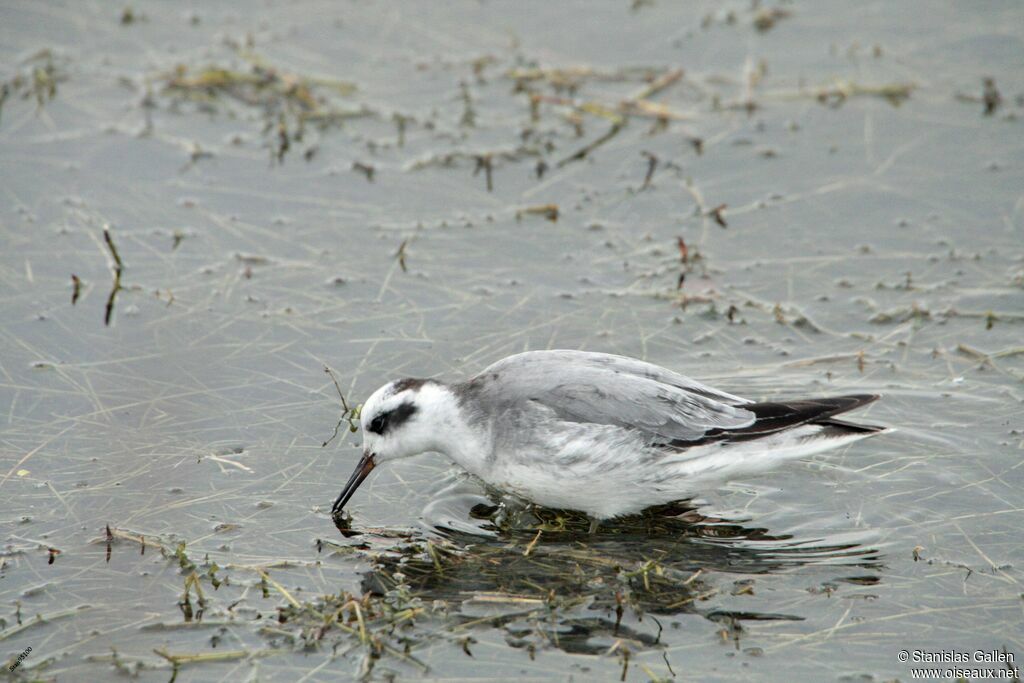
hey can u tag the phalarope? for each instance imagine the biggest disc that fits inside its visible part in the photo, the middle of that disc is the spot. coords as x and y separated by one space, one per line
607 435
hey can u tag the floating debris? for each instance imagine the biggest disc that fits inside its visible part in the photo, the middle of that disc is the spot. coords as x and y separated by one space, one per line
548 211
767 17
582 153
252 259
350 415
716 214
289 100
840 91
544 564
483 162
118 268
128 16
366 169
468 119
990 96
45 71
571 78
652 165
400 255
260 85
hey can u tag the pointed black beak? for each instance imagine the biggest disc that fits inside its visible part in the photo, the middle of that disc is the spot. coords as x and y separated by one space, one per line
365 466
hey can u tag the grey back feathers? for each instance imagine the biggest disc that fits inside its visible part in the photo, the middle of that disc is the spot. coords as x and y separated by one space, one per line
605 389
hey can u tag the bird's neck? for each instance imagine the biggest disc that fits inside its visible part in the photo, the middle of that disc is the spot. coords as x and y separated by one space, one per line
456 435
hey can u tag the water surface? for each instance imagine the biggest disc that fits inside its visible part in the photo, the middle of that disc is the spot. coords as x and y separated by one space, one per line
870 241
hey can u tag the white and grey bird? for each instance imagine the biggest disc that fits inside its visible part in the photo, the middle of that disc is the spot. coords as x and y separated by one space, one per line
603 434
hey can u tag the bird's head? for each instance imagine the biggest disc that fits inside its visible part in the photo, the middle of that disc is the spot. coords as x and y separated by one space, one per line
401 419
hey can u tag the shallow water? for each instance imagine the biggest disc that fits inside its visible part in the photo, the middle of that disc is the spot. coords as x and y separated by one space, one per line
869 246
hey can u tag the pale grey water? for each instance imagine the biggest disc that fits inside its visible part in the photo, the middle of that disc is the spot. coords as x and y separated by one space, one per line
891 231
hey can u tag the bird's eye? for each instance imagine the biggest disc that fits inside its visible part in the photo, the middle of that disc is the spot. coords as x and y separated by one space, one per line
379 424
392 419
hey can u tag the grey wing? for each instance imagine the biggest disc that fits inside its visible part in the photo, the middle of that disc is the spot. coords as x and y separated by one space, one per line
607 389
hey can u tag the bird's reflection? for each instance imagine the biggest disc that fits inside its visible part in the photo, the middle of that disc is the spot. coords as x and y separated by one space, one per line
540 576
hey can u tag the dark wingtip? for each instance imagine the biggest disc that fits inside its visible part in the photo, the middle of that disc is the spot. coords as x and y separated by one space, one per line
837 405
772 417
861 399
852 402
845 427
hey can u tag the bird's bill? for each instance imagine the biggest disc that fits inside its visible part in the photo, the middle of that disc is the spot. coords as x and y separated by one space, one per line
365 466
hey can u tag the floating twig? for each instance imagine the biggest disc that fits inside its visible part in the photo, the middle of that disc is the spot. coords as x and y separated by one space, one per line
263 85
584 107
529 548
347 413
118 269
582 153
549 211
657 85
568 78
400 255
652 164
484 162
716 214
177 660
767 17
41 619
842 90
278 587
401 121
990 96
366 169
615 113
468 119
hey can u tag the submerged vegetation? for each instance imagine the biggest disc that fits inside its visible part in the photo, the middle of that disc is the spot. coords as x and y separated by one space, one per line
536 574
288 101
38 79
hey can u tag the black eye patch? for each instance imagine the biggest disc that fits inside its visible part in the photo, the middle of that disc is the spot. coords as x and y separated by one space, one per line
379 424
392 418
